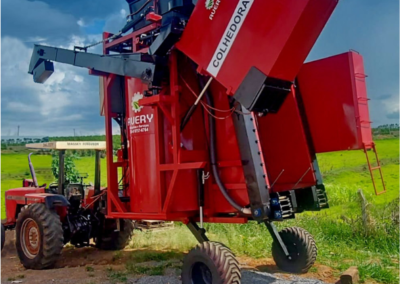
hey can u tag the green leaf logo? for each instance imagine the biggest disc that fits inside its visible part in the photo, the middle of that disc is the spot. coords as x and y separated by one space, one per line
135 102
209 4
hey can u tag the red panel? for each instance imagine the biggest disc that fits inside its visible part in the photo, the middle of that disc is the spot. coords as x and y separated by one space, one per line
334 94
144 178
227 152
17 196
360 87
275 36
286 151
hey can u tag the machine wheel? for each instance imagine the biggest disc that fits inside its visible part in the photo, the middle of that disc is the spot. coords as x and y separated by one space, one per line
112 240
3 236
302 250
210 263
39 237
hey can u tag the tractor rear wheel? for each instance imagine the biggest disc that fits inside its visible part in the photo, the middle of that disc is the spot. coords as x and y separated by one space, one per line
301 247
39 237
110 239
3 236
210 263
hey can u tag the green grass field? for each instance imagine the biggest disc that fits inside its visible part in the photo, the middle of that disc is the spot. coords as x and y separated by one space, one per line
341 236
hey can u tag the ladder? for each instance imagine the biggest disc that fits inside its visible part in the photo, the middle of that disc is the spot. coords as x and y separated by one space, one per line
372 169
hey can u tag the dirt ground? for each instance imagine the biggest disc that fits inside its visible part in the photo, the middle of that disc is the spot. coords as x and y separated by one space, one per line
73 267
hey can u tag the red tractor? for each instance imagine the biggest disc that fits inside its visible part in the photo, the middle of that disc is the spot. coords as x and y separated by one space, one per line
221 122
46 218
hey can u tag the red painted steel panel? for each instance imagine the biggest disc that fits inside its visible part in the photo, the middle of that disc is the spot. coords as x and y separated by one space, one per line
17 196
144 177
273 35
360 87
334 94
227 150
285 148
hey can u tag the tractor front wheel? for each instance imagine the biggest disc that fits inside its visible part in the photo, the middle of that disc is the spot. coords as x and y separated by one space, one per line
111 239
210 262
301 247
39 237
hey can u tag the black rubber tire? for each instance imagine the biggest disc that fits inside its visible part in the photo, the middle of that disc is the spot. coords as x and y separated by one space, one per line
50 233
210 263
3 236
111 240
302 250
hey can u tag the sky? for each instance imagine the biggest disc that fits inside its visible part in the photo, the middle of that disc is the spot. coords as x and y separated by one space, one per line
70 100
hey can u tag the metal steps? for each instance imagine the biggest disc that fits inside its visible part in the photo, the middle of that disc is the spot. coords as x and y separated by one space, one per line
322 198
286 207
371 169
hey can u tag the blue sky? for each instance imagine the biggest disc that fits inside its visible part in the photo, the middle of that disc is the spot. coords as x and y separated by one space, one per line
69 100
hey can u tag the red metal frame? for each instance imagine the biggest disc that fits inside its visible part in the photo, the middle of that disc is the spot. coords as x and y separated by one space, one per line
160 171
335 99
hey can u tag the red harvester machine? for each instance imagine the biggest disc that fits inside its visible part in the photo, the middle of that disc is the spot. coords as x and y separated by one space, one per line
220 122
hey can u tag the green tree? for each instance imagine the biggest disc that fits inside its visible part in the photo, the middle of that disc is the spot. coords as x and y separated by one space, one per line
71 173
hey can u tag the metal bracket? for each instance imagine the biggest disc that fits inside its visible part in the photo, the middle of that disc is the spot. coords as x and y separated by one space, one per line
252 163
199 234
277 238
205 176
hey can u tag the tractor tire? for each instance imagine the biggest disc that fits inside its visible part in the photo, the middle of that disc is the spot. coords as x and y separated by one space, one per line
39 237
210 263
112 240
3 236
301 247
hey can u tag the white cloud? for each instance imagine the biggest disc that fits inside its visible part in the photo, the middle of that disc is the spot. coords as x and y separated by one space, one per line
63 100
37 39
81 23
78 79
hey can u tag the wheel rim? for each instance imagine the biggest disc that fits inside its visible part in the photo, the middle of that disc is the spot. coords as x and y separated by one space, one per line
201 274
30 238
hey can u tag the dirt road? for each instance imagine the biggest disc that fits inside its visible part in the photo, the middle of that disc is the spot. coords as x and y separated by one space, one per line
92 266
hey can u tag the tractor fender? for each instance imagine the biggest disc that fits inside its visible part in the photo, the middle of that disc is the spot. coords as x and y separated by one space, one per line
52 201
49 199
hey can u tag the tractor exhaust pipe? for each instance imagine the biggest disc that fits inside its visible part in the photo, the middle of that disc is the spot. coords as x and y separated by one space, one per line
31 168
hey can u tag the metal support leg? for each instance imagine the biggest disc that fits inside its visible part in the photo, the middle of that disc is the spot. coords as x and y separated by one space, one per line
199 234
277 238
61 172
97 173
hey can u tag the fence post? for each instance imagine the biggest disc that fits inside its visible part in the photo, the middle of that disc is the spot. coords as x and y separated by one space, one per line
364 211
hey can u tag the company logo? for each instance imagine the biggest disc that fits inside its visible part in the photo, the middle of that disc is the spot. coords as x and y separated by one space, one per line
209 4
135 102
214 9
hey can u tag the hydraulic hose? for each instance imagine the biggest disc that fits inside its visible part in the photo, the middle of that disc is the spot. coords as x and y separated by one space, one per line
213 157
